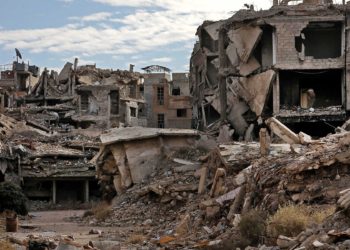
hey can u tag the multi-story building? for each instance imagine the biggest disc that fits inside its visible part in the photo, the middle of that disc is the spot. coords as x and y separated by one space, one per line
167 101
289 62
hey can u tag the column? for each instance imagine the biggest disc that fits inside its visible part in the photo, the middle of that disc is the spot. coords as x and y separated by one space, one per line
222 77
54 192
86 196
2 104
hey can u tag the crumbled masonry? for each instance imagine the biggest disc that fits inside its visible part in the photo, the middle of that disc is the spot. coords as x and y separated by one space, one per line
160 161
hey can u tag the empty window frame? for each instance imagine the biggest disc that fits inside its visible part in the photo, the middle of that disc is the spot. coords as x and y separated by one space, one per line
132 112
131 90
85 100
160 120
176 91
182 113
322 40
160 95
141 89
114 102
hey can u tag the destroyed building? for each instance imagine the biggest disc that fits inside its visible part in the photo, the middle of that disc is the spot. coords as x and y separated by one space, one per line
79 97
168 100
17 79
289 62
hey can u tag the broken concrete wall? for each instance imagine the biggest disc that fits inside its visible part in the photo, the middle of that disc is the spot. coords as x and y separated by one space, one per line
131 114
99 106
138 150
181 81
287 57
180 112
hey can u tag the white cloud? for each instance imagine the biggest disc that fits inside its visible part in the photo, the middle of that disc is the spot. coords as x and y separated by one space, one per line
143 30
0 27
117 57
93 17
54 69
67 1
80 61
185 6
163 59
134 57
105 26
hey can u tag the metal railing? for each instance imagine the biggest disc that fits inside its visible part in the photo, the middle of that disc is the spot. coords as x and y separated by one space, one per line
6 67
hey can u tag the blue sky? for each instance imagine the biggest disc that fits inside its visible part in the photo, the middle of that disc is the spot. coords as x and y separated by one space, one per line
110 33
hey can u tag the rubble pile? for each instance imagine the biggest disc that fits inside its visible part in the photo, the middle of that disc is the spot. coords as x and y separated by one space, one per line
106 76
47 241
201 203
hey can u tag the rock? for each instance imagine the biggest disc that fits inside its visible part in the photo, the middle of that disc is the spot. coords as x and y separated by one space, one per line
147 222
309 232
208 230
212 211
301 235
153 241
94 231
327 239
204 204
317 244
285 242
239 179
345 245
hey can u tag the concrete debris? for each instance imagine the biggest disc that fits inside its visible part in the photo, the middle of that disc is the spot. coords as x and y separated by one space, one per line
178 162
282 131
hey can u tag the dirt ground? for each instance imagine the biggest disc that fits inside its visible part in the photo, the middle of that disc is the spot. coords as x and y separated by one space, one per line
52 221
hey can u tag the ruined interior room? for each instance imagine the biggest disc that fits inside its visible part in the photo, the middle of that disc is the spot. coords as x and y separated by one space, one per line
326 85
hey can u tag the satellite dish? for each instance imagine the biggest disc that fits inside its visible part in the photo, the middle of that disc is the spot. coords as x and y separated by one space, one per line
18 54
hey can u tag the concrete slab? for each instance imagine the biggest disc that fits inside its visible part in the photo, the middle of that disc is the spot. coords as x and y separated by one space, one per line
255 90
282 131
211 29
85 80
246 69
64 74
245 40
137 133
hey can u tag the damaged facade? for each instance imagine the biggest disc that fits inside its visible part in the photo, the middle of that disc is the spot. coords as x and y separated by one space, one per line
168 100
289 62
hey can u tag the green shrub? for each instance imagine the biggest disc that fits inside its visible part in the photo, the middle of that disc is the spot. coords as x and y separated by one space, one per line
101 212
12 198
88 213
253 225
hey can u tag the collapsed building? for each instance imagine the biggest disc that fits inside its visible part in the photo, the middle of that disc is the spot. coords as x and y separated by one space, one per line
55 120
289 62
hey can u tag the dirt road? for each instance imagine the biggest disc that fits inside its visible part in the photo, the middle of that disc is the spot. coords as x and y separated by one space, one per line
52 221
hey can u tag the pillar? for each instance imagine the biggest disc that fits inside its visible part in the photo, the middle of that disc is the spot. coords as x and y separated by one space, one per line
275 2
45 85
54 192
264 142
79 104
2 104
86 194
108 111
222 77
69 85
73 85
21 112
30 84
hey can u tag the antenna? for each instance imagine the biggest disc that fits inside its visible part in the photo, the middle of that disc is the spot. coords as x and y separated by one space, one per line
18 54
